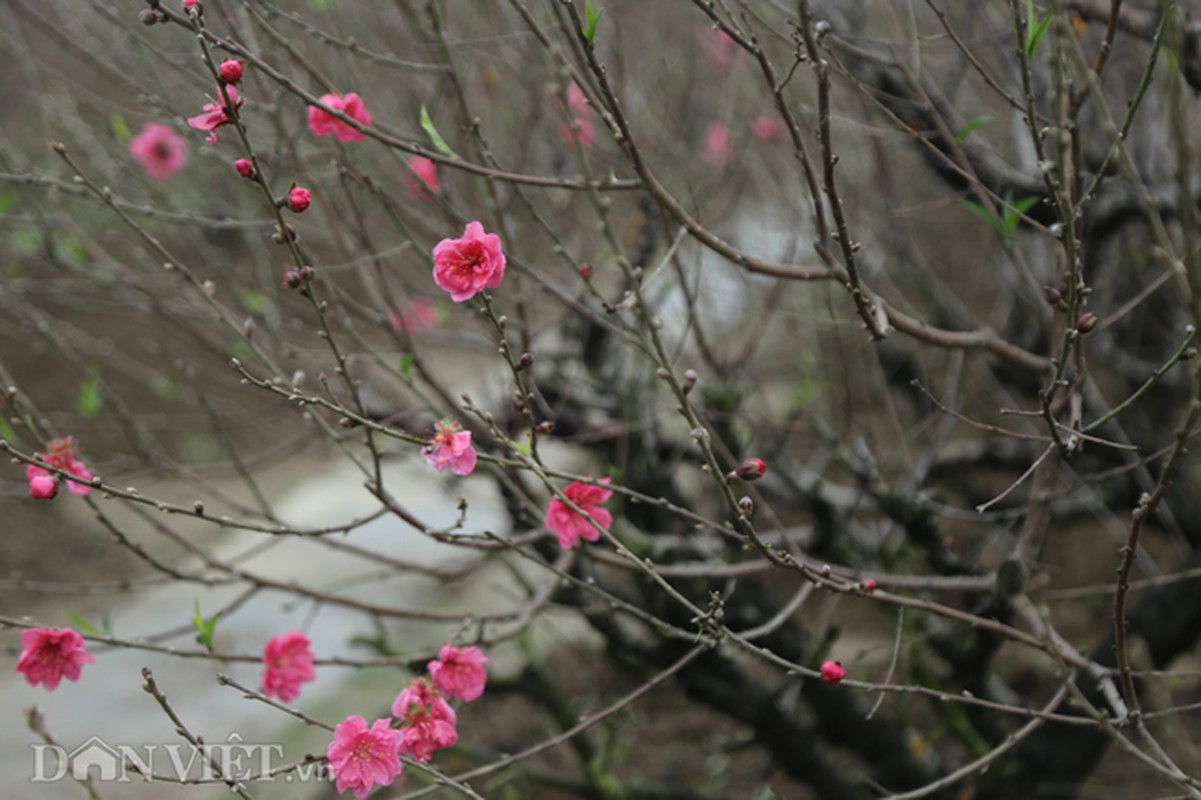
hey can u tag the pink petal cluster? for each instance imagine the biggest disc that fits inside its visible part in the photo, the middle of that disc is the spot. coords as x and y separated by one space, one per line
450 447
362 757
428 720
60 454
768 129
717 149
159 151
230 70
721 49
467 265
751 470
299 199
833 673
322 123
570 526
287 664
216 114
419 316
459 672
48 655
422 181
580 127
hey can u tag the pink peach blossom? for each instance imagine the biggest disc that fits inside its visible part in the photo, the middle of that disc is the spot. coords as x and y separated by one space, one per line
60 454
287 663
159 150
833 673
459 672
768 129
361 757
570 526
450 447
423 181
717 148
322 123
581 129
429 721
467 265
43 487
577 101
216 114
419 316
48 655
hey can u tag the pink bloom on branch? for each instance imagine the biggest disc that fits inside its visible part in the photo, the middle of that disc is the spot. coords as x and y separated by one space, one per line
577 101
244 167
361 757
159 150
288 663
459 672
768 129
751 470
833 673
429 721
723 52
216 114
230 70
299 199
467 265
322 123
60 454
580 129
568 525
423 182
43 487
48 655
450 447
717 149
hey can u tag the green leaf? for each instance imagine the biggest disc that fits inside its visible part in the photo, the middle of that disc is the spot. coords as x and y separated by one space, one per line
406 366
976 122
987 215
1034 31
165 387
256 301
120 128
90 401
8 200
205 628
6 430
439 143
82 624
592 20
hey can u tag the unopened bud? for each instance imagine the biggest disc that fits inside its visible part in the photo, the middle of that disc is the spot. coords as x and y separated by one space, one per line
833 673
689 380
518 403
287 234
546 427
230 70
1086 322
821 27
244 167
525 361
147 17
298 199
189 5
1054 296
586 271
292 279
867 586
747 506
751 470
307 273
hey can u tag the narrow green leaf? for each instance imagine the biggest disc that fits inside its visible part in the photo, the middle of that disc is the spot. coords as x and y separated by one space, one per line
81 623
1034 31
90 401
592 18
439 143
987 215
406 366
120 128
975 123
205 628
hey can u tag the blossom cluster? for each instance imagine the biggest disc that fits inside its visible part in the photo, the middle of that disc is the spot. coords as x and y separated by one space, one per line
60 454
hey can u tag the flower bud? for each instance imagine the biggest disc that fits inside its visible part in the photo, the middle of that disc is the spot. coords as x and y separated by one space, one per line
230 70
833 673
188 5
525 361
1086 322
751 470
690 378
747 506
586 271
867 586
299 199
546 427
244 167
286 235
292 279
306 272
43 487
1054 296
148 17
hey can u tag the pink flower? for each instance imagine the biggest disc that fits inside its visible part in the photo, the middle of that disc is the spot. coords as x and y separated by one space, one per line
244 167
768 129
580 129
721 49
421 315
230 70
459 672
568 525
429 721
423 182
467 265
43 487
288 663
48 655
216 114
833 673
159 150
717 148
322 123
188 5
299 199
450 447
360 757
577 101
60 454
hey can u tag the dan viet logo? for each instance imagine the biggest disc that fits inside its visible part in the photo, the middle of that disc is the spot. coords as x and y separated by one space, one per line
232 759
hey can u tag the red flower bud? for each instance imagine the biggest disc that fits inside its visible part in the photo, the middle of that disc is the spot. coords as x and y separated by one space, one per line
833 673
1086 322
148 16
586 271
43 487
188 5
751 470
292 279
299 199
244 167
230 70
867 586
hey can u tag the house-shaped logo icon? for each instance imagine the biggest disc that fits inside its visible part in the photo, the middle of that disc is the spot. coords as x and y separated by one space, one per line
94 753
